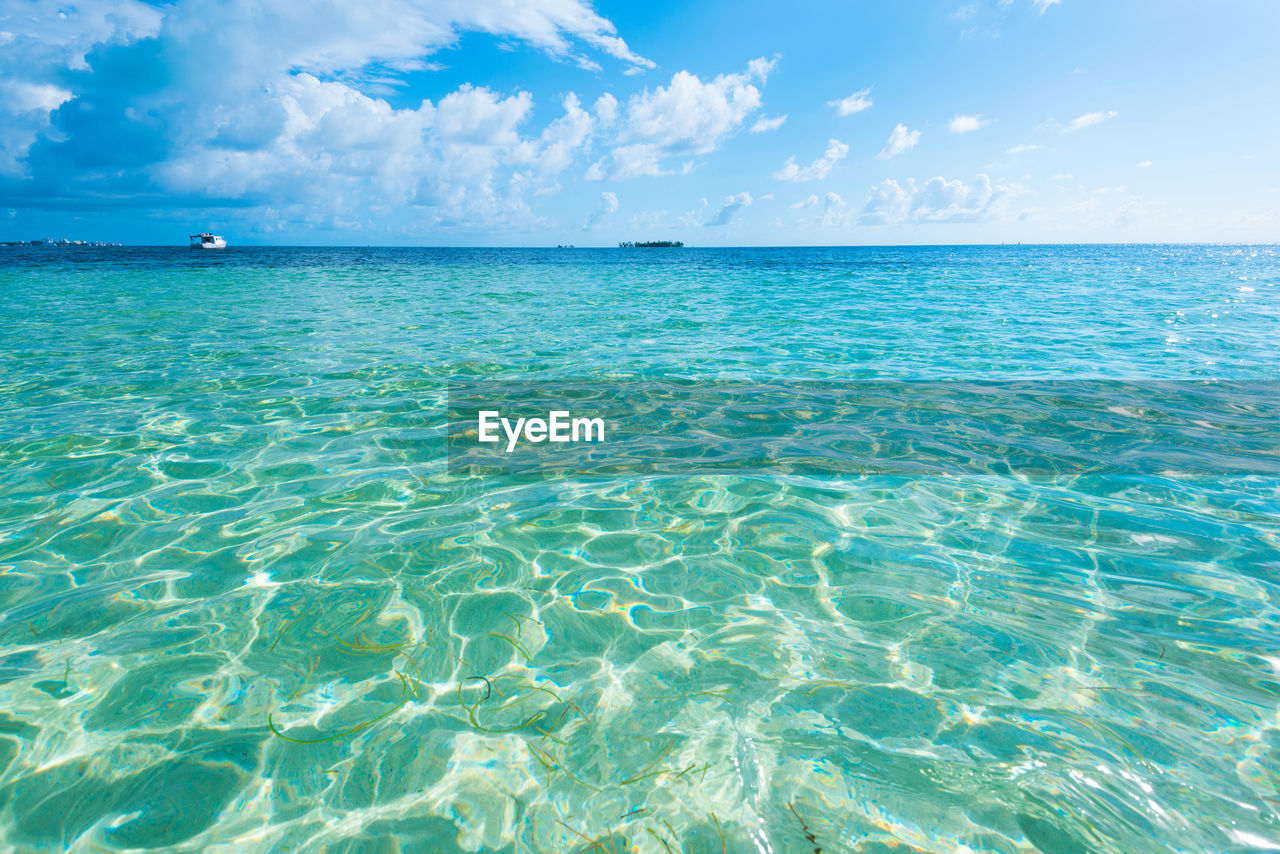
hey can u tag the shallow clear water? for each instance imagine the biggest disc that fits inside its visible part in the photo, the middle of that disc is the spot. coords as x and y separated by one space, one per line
229 526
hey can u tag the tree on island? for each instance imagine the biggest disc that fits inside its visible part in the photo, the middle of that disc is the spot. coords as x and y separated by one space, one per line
651 244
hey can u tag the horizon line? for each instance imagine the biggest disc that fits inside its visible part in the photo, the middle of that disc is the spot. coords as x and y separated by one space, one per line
103 244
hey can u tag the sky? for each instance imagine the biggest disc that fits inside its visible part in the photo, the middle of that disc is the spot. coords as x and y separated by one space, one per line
545 122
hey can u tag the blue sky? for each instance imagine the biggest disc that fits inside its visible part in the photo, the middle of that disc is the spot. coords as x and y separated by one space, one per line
536 122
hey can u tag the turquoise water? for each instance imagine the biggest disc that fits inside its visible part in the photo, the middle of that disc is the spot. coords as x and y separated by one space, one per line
247 603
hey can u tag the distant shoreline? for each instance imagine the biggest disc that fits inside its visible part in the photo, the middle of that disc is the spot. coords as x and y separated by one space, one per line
63 242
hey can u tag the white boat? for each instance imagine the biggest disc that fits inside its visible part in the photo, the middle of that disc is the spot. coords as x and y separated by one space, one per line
207 241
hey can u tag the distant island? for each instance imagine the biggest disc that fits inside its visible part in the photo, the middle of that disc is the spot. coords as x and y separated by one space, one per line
651 244
49 241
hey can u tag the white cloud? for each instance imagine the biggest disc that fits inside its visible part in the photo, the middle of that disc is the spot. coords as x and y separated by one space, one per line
835 213
886 203
468 116
19 97
762 124
899 141
818 169
631 161
1022 148
24 115
337 34
461 161
282 101
608 207
696 217
1088 120
688 116
562 139
968 124
606 109
855 103
732 205
1145 164
938 200
805 203
41 34
43 40
692 116
1042 6
332 36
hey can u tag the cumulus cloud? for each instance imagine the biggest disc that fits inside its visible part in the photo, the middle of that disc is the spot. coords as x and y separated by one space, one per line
561 141
42 44
937 200
283 101
595 172
41 38
899 141
762 124
887 202
463 156
1088 120
818 169
805 203
835 212
607 208
606 109
1022 148
968 124
25 109
732 205
688 116
855 103
940 200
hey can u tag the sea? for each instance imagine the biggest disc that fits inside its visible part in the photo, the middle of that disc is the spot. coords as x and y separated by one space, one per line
939 549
